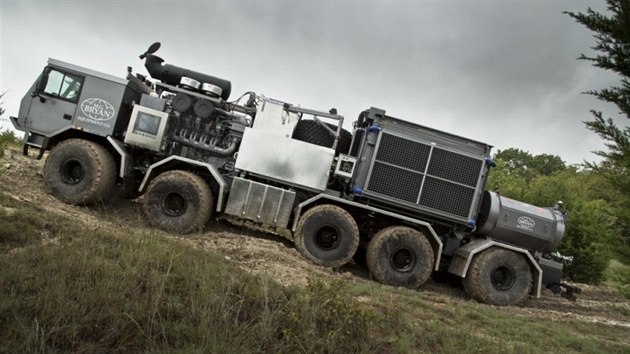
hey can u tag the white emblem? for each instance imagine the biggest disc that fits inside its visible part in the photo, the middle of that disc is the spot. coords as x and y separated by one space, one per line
525 222
98 109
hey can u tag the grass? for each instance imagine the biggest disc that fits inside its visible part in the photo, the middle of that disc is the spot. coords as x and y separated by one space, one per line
7 137
68 287
432 326
617 275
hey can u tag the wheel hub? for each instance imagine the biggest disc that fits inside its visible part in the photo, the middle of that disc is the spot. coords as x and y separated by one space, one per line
403 260
503 278
72 171
174 204
327 238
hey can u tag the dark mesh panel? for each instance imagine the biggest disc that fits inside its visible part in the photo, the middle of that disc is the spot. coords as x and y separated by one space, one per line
446 196
454 167
403 152
395 182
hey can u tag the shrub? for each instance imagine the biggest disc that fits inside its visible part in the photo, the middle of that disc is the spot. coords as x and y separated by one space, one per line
7 137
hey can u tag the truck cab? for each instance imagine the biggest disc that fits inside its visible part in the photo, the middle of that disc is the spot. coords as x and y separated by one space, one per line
69 97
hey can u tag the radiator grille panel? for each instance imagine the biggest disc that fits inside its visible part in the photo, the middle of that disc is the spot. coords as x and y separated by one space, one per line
403 152
398 174
445 196
395 182
454 167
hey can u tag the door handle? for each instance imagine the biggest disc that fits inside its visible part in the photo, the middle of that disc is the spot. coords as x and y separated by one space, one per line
67 116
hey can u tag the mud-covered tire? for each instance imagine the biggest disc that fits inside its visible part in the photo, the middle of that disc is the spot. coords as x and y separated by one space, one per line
498 277
178 202
79 171
400 256
327 235
313 132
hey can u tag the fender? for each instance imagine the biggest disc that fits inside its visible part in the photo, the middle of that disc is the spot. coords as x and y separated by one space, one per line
125 159
35 138
465 254
213 171
434 240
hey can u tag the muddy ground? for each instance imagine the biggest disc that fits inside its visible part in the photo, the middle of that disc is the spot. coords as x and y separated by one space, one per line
264 253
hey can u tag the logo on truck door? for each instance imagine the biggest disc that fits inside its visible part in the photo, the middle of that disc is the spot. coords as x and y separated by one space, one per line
97 109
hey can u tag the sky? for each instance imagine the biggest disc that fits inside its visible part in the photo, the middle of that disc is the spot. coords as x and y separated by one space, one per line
503 72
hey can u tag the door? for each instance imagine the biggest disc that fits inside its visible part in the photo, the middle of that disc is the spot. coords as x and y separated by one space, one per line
56 105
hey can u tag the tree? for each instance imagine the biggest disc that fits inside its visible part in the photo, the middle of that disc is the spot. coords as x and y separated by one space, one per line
529 166
612 42
612 47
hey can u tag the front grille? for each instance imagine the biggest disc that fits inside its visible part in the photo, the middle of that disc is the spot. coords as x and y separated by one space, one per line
424 175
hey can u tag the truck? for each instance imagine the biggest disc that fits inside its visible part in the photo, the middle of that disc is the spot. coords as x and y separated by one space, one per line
405 199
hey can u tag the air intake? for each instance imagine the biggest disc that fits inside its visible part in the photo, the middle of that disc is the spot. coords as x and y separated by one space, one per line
428 177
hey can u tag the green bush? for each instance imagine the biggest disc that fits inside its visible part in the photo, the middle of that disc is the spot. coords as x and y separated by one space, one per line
588 239
7 137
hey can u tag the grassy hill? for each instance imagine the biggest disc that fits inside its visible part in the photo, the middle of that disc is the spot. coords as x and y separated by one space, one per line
70 287
91 280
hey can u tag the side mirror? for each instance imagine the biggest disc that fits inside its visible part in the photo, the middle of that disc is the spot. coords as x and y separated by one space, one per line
41 83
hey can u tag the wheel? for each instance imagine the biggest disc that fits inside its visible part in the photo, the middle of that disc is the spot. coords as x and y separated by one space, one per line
327 235
400 256
499 277
79 171
312 132
178 202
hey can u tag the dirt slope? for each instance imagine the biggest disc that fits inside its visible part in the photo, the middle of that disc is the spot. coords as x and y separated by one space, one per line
263 253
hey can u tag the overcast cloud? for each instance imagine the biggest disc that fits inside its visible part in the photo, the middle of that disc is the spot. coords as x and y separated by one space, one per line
502 72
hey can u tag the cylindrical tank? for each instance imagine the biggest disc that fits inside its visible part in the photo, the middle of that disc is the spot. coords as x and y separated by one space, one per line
172 75
520 224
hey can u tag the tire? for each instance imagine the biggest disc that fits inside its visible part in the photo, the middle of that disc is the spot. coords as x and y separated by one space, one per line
178 202
400 256
79 171
499 277
312 132
327 235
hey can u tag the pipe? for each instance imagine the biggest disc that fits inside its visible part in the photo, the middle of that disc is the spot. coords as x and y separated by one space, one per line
209 148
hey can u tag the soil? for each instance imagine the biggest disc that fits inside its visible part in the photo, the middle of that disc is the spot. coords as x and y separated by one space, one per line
265 253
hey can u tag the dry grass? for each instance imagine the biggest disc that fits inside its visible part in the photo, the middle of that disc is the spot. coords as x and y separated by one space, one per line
68 287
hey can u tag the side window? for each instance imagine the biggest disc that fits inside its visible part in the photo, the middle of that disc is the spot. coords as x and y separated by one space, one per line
63 85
